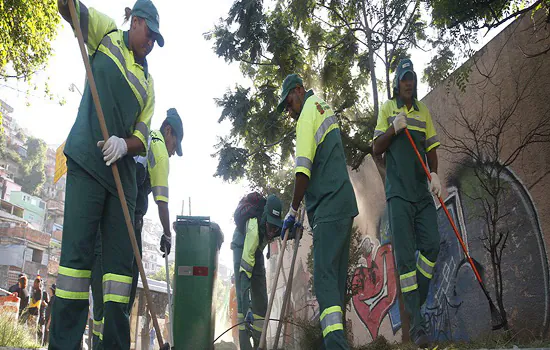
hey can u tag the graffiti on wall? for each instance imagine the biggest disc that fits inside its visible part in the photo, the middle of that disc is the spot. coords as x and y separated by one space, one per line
456 308
376 281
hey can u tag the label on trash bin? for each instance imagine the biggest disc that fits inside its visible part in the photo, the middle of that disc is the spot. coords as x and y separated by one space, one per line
192 270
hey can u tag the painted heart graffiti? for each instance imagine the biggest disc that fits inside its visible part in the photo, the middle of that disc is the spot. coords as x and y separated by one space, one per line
377 288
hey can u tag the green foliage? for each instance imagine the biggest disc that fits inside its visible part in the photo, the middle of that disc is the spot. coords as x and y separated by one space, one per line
472 15
33 166
16 335
160 275
27 29
334 46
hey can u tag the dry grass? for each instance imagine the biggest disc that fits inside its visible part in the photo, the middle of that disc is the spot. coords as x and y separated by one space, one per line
14 334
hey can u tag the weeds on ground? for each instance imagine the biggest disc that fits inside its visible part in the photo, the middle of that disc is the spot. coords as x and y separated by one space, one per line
14 334
504 340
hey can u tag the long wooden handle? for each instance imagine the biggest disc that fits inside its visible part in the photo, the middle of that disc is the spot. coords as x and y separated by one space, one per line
288 291
274 288
116 175
455 229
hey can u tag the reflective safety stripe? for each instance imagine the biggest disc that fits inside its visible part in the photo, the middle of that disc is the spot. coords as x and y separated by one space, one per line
408 282
378 133
331 320
412 122
73 284
152 160
425 266
240 318
98 329
246 266
116 288
160 191
142 128
304 162
432 140
84 20
132 79
258 324
325 125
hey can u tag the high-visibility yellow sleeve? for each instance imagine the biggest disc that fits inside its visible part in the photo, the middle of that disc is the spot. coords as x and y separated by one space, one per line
159 168
143 122
432 140
382 124
251 242
305 140
93 24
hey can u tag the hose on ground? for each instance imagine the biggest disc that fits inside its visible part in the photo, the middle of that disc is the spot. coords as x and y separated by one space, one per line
240 323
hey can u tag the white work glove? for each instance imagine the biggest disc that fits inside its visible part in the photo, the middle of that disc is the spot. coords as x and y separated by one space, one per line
400 122
114 149
435 185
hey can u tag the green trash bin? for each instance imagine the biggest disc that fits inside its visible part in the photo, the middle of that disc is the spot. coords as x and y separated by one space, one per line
198 241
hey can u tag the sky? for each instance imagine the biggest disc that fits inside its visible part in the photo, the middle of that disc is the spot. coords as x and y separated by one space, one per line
187 75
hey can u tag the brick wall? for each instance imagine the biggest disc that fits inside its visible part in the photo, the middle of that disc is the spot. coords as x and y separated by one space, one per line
26 233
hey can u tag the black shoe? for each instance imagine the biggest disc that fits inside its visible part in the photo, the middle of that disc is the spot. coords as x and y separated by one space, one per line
421 339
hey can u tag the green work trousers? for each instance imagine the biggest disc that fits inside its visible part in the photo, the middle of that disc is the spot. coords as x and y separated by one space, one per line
254 288
90 207
97 288
414 228
331 242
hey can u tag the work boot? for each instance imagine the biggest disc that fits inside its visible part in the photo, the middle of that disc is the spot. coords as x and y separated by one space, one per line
421 339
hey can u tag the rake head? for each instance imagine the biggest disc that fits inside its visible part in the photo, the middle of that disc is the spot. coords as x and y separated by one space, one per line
497 321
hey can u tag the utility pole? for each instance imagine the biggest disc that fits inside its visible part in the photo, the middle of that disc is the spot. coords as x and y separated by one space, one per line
189 206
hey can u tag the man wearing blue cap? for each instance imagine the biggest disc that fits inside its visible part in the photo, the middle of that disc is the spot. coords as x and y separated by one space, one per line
322 176
151 177
126 93
412 214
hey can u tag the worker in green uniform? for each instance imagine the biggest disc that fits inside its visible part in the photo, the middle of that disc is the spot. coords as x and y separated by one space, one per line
151 176
322 176
126 93
249 266
412 214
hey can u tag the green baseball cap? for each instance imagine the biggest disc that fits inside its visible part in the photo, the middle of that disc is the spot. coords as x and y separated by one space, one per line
274 210
146 10
405 66
173 118
290 82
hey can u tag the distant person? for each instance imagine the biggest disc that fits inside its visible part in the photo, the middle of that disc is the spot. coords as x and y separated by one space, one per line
20 290
42 318
258 221
15 287
33 310
49 314
152 335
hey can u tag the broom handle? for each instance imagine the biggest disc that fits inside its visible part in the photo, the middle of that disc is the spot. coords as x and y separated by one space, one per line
114 166
455 229
274 289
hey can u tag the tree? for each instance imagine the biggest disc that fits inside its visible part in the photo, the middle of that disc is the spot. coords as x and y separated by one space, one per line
460 21
160 275
335 46
27 30
33 166
489 140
